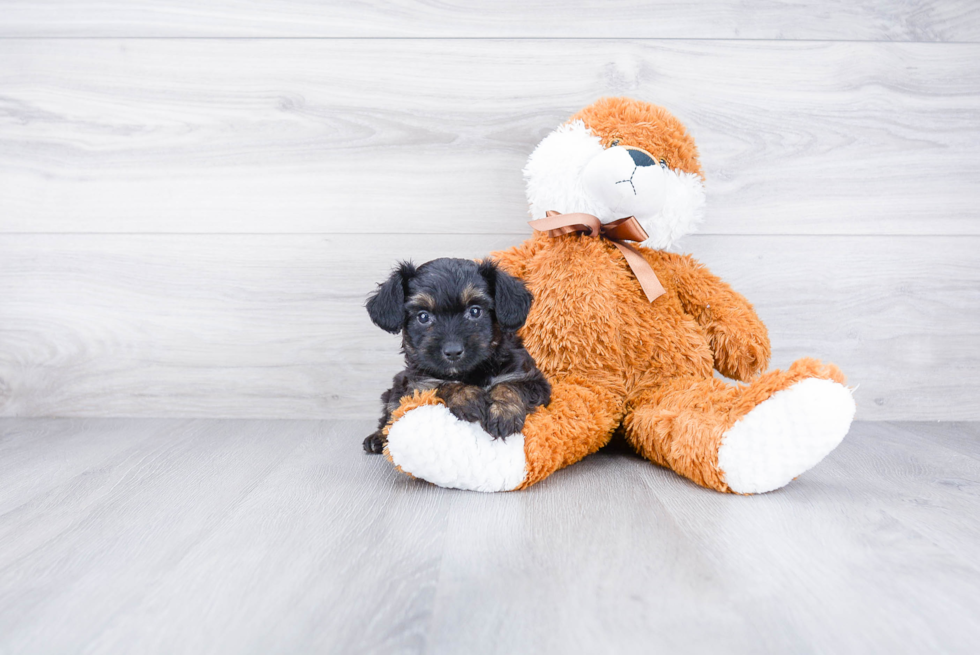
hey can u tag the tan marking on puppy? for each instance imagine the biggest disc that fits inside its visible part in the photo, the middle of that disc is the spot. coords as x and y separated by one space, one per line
506 413
472 294
505 401
457 393
465 401
422 300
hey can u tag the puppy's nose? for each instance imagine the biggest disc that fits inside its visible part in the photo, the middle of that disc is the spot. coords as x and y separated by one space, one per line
453 350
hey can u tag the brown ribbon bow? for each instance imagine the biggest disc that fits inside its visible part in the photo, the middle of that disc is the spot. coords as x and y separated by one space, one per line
618 232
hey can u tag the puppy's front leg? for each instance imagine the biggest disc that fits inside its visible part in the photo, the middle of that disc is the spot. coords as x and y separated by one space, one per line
507 411
375 442
403 385
465 401
512 401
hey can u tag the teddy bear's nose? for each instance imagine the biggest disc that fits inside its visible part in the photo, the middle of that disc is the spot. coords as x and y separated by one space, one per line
640 158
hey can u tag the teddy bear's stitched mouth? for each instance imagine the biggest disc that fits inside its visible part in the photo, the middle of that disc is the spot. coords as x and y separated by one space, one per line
630 180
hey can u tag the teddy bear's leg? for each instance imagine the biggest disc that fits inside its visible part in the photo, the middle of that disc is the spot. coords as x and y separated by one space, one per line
428 442
742 438
579 420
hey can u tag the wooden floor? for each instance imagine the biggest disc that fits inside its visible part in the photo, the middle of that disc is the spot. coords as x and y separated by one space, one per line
178 536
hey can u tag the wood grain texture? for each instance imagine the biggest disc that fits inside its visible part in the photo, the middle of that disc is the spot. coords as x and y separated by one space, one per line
228 526
664 566
408 136
274 325
207 536
875 20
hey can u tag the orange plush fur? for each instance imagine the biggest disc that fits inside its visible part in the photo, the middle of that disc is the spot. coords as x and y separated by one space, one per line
614 358
618 361
629 122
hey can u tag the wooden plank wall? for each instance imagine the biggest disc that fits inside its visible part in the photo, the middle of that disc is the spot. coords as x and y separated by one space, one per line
195 200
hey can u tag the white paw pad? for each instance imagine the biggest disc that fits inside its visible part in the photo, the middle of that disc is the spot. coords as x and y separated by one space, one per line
432 444
785 435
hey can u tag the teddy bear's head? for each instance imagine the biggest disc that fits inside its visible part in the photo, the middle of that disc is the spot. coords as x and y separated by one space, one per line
620 157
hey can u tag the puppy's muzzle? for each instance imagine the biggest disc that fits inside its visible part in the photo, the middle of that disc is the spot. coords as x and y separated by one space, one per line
452 350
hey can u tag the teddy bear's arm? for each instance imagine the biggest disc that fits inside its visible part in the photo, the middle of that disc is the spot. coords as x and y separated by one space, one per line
739 339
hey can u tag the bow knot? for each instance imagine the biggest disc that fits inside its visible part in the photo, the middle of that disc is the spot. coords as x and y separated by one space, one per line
618 232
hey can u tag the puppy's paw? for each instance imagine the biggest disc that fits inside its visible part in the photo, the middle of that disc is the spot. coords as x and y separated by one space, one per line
375 443
506 413
465 401
502 425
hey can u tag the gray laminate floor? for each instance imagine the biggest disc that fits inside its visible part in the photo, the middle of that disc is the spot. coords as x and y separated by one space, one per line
199 536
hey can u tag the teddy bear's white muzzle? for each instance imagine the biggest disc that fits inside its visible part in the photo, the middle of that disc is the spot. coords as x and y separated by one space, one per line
623 187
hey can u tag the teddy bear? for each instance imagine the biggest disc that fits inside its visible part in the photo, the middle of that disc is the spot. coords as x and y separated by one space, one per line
629 334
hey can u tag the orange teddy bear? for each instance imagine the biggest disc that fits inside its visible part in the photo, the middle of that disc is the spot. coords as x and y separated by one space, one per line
617 360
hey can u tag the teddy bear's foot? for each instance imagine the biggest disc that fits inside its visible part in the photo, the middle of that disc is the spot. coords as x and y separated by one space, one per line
785 435
430 443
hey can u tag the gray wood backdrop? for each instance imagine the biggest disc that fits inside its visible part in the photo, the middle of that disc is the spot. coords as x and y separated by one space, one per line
195 198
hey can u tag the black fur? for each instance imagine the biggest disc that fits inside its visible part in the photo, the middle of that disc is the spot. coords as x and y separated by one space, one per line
511 298
387 305
458 322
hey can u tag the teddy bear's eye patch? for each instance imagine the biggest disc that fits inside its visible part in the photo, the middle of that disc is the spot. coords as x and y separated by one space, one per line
640 156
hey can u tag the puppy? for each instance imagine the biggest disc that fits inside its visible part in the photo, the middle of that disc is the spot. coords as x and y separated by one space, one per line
458 321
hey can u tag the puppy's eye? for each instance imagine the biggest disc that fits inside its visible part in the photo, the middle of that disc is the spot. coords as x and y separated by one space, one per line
663 164
474 312
423 317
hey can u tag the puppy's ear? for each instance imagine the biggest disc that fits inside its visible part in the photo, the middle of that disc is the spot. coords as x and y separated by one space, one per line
511 299
386 306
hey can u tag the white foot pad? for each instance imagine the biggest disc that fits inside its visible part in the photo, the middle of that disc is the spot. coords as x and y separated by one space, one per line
785 435
432 444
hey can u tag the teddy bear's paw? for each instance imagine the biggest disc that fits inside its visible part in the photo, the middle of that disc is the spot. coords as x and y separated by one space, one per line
785 435
430 443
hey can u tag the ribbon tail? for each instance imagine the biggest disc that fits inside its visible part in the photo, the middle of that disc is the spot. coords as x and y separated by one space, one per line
642 270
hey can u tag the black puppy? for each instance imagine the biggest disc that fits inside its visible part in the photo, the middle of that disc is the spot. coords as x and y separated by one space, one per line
458 321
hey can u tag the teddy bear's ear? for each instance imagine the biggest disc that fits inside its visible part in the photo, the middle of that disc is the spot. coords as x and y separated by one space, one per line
511 299
386 306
